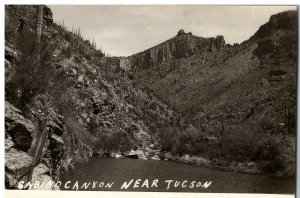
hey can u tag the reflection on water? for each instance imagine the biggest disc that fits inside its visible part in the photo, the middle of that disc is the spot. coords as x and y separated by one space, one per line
151 175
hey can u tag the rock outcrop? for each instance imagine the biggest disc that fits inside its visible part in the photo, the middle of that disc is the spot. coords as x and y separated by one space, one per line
19 128
31 153
183 45
18 164
282 21
42 173
180 32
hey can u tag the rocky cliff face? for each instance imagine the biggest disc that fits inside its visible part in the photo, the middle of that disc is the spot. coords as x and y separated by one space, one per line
281 21
33 145
183 45
32 150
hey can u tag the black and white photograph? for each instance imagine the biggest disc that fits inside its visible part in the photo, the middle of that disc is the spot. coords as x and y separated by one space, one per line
150 98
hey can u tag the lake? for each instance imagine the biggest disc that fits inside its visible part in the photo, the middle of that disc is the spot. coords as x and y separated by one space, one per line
108 174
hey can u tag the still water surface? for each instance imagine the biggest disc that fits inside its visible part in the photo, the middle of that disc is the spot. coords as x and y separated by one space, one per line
118 171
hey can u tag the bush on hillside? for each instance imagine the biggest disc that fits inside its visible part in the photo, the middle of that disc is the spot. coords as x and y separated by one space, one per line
238 143
244 144
113 141
79 133
33 71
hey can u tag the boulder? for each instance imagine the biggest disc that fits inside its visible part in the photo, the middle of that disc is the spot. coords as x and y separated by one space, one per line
17 165
168 156
11 54
46 179
40 169
247 167
117 156
41 173
155 157
8 143
186 159
80 78
139 153
20 128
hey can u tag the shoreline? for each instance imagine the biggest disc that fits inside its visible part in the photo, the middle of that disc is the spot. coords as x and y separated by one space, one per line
198 161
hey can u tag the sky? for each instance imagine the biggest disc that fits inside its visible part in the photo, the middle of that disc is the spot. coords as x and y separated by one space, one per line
123 30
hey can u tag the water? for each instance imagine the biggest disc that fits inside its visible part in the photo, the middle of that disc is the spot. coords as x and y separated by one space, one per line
107 170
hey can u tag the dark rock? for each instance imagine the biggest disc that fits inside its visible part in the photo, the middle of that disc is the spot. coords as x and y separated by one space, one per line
21 134
20 128
11 54
56 142
58 130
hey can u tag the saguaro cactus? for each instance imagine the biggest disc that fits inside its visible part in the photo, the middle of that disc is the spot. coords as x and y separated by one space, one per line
39 23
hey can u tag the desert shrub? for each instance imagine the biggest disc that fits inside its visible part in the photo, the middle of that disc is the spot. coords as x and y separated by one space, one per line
244 144
60 84
79 133
66 103
68 36
277 72
266 124
180 141
187 141
113 141
241 143
130 75
168 138
204 147
67 52
264 47
33 71
88 56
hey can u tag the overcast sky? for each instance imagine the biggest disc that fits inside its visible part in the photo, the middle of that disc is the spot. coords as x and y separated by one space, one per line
124 30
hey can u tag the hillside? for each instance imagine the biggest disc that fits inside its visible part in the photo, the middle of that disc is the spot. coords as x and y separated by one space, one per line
225 89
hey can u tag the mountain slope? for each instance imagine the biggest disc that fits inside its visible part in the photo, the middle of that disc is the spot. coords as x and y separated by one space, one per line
246 86
199 81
